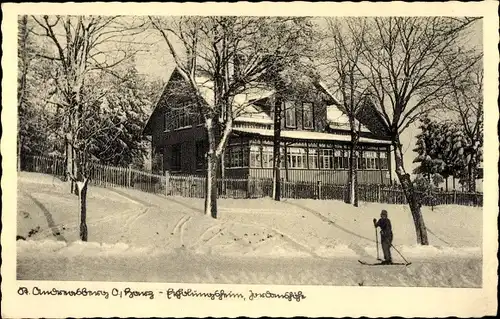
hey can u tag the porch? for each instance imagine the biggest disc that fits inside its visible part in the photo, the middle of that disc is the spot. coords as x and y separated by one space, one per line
306 157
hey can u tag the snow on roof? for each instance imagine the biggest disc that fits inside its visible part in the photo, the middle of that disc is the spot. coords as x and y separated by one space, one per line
339 120
257 91
325 88
307 135
253 114
249 119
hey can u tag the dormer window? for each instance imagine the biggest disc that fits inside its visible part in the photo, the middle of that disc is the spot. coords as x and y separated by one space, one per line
290 119
307 115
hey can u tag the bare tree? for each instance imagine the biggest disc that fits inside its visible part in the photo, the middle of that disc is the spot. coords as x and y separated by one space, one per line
236 55
80 47
465 102
341 58
24 59
404 62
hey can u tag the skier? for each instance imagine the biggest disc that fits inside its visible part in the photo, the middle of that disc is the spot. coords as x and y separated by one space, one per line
386 235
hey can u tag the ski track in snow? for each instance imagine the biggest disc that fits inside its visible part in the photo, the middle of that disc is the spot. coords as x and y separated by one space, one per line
199 241
134 218
295 243
221 228
328 221
433 265
181 230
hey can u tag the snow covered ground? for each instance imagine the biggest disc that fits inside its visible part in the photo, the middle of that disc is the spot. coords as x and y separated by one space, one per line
135 236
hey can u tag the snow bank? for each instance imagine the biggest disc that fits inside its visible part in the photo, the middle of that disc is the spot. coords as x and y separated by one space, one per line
39 246
82 249
335 251
424 252
418 251
281 251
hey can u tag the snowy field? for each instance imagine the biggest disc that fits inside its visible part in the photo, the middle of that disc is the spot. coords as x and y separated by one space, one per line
135 236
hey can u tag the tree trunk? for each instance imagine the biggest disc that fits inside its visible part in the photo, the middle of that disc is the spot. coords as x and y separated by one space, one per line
19 147
446 183
82 194
472 178
277 182
223 172
23 30
211 178
211 186
353 170
413 201
277 151
70 162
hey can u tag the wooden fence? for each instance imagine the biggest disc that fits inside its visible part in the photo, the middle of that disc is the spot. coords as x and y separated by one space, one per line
194 186
99 175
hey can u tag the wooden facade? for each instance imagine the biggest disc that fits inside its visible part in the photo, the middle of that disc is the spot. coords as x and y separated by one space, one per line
311 152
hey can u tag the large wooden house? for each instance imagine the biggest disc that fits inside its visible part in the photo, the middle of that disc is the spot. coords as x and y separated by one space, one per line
315 135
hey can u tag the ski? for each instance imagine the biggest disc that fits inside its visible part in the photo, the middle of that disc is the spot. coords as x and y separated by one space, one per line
382 264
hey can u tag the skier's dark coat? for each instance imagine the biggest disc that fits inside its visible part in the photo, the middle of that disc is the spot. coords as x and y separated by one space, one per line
386 237
385 228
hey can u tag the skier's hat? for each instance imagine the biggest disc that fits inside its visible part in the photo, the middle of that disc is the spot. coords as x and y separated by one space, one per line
383 212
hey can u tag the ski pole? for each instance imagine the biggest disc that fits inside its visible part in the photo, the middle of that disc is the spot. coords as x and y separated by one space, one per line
376 240
406 261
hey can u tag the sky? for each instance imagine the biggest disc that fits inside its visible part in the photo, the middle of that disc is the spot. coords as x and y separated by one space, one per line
158 63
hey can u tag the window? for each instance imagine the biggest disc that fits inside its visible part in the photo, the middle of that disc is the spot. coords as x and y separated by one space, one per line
307 116
244 156
296 157
338 163
175 159
326 158
341 159
345 159
255 156
290 120
235 160
313 158
358 162
165 121
369 159
237 156
200 155
267 157
383 160
181 117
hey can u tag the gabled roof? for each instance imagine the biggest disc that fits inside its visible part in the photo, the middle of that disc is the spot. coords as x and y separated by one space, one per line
147 127
250 112
340 121
242 102
370 119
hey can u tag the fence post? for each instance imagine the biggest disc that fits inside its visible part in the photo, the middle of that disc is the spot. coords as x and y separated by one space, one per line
454 196
319 190
379 191
129 170
191 183
167 182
